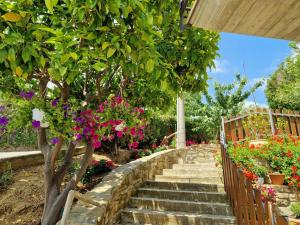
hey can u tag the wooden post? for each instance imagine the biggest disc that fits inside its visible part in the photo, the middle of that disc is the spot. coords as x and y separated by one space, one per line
272 122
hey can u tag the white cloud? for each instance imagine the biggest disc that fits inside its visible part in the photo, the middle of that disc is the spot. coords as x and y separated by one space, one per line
221 66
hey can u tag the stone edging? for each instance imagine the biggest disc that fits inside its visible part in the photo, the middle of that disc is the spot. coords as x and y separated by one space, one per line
116 188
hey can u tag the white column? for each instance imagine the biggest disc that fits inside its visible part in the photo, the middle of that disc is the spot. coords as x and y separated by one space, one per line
180 136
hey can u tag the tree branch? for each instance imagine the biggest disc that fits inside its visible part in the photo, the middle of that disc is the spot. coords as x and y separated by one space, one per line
67 163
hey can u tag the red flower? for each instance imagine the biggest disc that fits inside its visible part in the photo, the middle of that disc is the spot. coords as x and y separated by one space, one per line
252 146
294 169
119 134
290 154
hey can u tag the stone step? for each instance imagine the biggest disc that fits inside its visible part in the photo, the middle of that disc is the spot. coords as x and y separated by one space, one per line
176 174
182 195
184 186
149 217
180 206
196 166
199 172
186 179
200 160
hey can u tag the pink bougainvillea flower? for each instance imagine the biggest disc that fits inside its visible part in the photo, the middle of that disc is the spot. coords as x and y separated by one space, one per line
101 108
96 144
111 137
36 124
95 137
142 111
77 128
109 164
119 134
141 137
95 162
111 122
133 131
119 99
112 105
105 124
104 138
125 129
135 144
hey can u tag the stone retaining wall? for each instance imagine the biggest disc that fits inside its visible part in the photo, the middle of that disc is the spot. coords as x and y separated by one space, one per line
28 159
285 197
116 188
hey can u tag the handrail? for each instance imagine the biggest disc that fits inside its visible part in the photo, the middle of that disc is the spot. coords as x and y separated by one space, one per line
75 195
246 201
236 131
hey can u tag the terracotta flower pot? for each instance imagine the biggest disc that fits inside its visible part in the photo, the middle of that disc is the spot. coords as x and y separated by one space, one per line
276 178
293 221
258 142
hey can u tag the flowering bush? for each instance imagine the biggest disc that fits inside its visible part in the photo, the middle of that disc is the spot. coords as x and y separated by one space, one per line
97 168
281 154
113 120
268 194
137 154
3 120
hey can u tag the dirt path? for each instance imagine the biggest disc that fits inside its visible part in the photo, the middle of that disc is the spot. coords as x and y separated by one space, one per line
22 202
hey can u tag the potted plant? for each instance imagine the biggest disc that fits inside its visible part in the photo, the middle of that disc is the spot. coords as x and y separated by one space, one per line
295 208
277 178
261 173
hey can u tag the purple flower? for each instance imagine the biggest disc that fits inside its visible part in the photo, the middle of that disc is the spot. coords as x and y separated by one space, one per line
55 102
27 95
3 121
78 136
54 140
79 120
36 124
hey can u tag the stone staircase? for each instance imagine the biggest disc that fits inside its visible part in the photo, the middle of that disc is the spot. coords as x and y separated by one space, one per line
191 193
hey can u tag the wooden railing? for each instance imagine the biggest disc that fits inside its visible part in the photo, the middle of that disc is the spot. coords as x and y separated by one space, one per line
246 201
236 131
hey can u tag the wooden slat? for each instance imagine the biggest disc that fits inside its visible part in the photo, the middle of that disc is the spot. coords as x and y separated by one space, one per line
240 130
293 126
233 131
268 18
298 125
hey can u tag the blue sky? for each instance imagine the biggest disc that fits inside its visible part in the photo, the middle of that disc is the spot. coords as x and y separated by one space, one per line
255 57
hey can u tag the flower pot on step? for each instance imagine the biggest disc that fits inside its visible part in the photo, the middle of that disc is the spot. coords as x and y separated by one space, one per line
258 142
277 178
293 221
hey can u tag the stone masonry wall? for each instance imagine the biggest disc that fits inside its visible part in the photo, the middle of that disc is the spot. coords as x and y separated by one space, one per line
285 197
116 188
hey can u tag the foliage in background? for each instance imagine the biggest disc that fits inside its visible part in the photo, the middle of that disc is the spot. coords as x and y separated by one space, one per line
6 177
283 86
96 168
258 126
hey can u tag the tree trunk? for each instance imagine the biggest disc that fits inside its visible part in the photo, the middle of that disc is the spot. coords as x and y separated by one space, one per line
54 198
181 136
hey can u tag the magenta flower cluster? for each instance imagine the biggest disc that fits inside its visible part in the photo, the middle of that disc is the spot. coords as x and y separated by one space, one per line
115 118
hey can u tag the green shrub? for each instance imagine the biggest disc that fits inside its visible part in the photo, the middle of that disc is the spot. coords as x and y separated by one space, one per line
295 208
6 177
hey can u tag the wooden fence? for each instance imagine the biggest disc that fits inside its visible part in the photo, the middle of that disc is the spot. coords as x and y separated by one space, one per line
248 206
235 129
246 201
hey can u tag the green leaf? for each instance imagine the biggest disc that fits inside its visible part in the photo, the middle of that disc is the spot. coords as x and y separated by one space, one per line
98 66
128 48
11 55
19 71
12 17
26 54
49 5
105 45
3 55
149 65
110 52
74 55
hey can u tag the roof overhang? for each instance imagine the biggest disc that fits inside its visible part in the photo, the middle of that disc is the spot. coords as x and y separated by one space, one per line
267 18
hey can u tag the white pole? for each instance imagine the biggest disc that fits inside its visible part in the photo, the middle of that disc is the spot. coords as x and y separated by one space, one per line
181 137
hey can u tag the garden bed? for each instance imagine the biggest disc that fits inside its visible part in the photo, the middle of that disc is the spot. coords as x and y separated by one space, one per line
21 202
